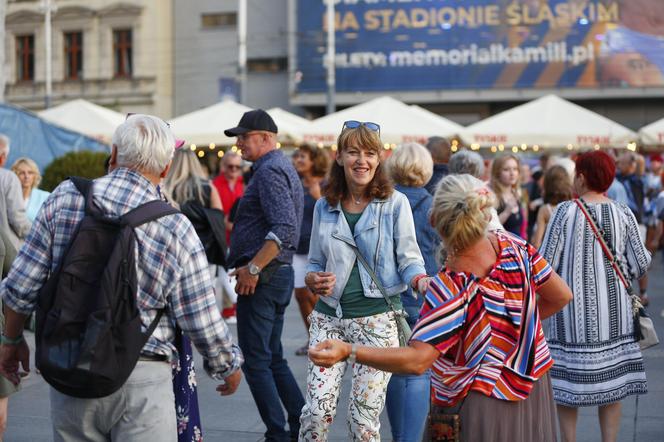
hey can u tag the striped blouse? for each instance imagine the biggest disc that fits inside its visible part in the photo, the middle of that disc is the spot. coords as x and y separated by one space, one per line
488 329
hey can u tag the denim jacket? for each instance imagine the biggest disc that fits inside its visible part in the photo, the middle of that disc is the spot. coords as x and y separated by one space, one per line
385 235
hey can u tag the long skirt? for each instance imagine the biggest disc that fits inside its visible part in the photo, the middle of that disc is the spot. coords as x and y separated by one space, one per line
489 419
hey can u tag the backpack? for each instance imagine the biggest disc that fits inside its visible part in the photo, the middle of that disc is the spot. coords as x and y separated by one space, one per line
88 337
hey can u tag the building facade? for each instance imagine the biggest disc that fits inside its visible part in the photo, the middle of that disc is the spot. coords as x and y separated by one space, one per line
206 47
116 54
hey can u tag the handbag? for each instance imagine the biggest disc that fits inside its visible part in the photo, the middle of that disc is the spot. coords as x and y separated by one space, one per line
644 329
444 426
400 316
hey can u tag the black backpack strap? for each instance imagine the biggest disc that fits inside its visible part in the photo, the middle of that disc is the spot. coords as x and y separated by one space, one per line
83 185
153 324
147 212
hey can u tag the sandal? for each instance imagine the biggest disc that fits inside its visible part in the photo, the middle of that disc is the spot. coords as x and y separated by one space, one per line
302 351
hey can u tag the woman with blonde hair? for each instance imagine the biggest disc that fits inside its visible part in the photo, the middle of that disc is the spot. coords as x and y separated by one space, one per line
186 185
479 330
506 185
186 181
29 176
411 167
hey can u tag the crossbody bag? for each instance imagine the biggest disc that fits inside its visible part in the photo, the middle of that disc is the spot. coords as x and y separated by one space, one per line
400 316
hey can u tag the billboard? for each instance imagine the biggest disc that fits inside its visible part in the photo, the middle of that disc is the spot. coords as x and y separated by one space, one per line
411 45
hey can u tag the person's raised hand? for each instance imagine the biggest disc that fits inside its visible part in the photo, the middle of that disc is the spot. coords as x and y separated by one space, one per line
321 283
329 352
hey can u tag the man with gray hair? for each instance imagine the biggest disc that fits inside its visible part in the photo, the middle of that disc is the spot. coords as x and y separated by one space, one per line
440 152
172 276
12 208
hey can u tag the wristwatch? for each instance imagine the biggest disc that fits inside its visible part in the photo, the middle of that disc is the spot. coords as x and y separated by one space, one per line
254 270
353 354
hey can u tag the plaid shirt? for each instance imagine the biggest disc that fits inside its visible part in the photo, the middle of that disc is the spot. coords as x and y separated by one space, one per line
172 271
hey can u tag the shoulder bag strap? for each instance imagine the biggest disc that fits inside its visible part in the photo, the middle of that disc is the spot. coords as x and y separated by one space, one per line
373 277
605 247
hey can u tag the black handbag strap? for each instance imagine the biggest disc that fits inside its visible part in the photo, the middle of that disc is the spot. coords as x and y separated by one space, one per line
375 279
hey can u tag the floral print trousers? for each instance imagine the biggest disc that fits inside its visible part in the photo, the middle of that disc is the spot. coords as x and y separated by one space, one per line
369 385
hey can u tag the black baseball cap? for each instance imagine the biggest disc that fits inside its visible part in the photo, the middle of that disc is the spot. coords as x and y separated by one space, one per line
256 119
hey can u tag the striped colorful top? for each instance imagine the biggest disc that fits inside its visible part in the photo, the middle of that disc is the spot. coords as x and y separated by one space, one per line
488 329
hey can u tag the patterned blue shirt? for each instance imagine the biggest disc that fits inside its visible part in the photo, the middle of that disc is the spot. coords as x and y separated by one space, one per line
172 268
271 208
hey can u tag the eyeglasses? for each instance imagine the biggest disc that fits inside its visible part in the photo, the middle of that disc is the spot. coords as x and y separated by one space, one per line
233 167
354 124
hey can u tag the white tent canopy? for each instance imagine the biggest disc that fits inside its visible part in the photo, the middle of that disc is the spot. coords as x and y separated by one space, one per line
207 125
84 117
290 125
653 134
399 123
549 122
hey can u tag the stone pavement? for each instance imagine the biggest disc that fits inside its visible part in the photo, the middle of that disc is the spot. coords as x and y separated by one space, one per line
235 418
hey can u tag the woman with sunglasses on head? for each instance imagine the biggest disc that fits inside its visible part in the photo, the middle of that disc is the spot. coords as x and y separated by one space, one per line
359 209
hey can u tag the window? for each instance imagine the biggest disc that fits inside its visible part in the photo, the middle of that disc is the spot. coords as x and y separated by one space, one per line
25 58
219 20
122 52
73 55
278 64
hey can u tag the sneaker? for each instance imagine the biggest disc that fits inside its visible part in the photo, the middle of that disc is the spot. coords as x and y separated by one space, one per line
231 320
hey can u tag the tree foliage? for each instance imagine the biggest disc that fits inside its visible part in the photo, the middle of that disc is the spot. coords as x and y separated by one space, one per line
84 164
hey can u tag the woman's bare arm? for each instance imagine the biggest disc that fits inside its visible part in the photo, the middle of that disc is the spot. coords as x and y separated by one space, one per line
414 359
554 294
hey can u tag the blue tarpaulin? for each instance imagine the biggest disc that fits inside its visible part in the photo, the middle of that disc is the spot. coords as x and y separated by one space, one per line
39 140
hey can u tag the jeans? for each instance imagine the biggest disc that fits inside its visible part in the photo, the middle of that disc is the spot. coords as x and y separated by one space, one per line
408 406
260 320
408 396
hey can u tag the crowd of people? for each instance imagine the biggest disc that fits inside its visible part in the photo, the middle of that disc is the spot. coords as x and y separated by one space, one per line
517 316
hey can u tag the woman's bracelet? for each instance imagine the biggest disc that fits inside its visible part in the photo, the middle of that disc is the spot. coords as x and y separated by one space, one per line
416 280
6 340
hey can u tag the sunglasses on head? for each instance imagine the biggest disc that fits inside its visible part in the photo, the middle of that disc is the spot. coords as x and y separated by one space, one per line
354 124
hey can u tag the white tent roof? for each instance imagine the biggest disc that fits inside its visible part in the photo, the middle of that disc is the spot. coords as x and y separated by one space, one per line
653 134
399 123
291 126
427 114
207 125
549 122
84 117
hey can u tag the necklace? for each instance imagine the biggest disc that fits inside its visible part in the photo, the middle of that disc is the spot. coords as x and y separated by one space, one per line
357 200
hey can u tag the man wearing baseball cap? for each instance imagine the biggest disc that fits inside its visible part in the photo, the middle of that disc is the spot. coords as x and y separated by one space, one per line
265 236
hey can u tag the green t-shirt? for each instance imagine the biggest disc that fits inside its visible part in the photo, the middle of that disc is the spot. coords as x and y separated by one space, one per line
353 302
